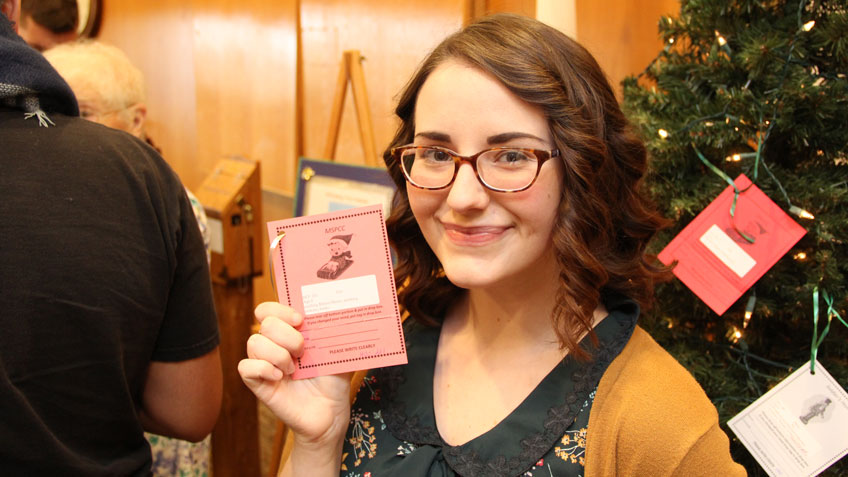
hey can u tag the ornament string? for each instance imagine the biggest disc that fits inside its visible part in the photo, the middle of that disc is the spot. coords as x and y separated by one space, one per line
831 312
271 249
736 191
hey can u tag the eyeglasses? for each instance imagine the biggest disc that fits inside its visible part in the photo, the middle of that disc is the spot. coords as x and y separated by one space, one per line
501 169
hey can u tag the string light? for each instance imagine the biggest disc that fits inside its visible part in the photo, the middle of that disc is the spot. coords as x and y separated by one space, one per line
749 309
801 212
734 334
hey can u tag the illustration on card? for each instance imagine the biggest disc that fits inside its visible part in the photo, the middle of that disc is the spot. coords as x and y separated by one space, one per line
340 257
818 408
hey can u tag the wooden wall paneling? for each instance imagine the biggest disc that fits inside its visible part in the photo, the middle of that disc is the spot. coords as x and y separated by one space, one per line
560 14
521 7
622 34
392 36
479 8
157 36
245 57
245 60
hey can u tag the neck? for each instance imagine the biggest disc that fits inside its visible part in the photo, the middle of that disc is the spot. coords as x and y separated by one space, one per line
507 317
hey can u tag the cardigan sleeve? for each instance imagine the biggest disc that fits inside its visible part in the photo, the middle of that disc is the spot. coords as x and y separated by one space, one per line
650 417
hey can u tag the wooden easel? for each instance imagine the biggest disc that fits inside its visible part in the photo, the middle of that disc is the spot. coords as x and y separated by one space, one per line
351 71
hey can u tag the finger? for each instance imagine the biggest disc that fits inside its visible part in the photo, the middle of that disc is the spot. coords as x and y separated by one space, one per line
255 371
259 347
282 334
272 308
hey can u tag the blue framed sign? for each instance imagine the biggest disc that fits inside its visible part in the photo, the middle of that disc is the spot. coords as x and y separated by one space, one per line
327 186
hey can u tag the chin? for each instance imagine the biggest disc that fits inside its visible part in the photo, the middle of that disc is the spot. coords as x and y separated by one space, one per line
470 277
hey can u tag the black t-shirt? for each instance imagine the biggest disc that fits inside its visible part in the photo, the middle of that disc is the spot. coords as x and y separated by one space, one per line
102 269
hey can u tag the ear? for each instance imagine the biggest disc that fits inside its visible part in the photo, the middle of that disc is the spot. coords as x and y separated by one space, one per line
12 10
137 116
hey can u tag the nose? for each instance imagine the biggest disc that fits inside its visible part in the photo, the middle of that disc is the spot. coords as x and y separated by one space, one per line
466 192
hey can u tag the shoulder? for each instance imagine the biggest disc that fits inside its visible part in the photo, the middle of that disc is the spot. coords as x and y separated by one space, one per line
645 364
655 415
646 385
77 145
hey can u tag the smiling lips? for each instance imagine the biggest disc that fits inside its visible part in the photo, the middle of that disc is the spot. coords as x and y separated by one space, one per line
473 236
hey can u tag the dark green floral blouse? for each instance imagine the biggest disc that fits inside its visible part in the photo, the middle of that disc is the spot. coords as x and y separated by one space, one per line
393 431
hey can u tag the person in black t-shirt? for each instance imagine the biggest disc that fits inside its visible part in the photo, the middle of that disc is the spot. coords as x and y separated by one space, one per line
106 311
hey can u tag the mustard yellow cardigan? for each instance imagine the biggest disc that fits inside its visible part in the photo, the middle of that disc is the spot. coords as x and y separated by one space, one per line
651 418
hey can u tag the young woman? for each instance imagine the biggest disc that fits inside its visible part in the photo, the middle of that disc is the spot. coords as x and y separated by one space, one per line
520 232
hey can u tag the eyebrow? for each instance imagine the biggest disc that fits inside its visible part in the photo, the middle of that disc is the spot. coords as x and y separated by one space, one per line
435 136
501 138
509 136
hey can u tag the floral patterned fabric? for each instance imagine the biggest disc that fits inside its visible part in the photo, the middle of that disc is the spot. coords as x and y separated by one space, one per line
393 431
202 221
178 458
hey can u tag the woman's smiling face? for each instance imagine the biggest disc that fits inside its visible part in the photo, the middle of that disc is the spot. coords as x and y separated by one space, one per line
485 238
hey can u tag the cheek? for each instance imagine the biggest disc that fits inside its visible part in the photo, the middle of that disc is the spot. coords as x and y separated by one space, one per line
424 206
539 209
423 203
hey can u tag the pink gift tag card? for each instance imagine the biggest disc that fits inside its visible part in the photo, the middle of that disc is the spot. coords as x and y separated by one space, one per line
715 261
336 270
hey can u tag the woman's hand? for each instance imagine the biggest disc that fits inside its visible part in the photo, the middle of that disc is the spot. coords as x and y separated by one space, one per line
316 409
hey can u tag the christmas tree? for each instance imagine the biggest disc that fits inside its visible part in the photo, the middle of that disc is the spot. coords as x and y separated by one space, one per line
756 87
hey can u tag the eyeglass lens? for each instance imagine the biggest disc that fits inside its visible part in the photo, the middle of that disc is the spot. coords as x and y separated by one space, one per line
502 169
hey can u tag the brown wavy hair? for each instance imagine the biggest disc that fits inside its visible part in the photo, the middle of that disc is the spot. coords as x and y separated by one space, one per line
604 221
